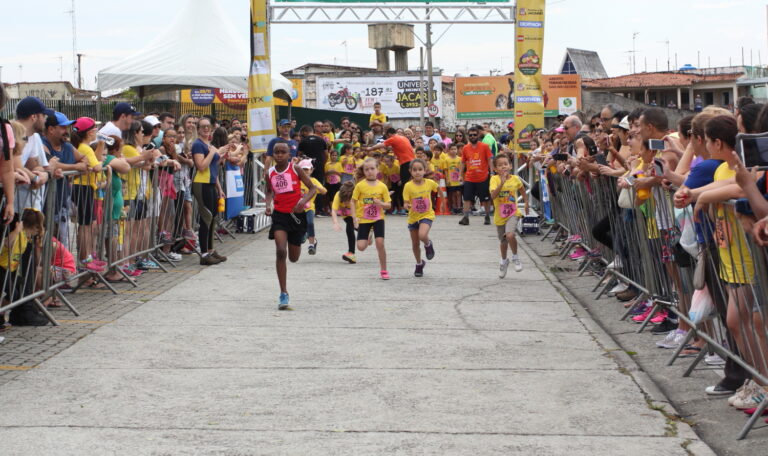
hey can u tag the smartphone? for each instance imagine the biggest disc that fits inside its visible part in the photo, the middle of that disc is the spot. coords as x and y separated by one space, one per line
753 149
560 157
658 166
656 144
630 180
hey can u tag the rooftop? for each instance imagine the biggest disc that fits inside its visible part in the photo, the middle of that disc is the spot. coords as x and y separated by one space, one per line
661 79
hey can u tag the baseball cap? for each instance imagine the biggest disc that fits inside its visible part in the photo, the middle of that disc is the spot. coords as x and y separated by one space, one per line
83 124
560 129
30 106
511 124
283 122
125 108
306 164
152 120
624 124
58 119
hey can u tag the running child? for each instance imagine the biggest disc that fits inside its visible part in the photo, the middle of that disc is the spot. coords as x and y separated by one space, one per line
341 207
370 199
504 188
289 221
332 174
309 208
390 168
417 197
452 167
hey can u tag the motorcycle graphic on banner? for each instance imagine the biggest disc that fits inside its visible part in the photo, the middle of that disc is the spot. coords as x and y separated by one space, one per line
400 96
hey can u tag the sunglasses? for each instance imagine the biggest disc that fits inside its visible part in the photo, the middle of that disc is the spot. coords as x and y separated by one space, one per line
473 136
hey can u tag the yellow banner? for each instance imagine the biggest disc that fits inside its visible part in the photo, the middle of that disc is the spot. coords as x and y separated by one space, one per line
298 88
261 119
529 50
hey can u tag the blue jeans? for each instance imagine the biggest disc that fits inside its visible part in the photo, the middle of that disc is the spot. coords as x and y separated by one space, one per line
310 223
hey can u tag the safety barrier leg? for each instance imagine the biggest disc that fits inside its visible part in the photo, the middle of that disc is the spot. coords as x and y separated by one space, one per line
41 307
647 320
608 285
66 302
640 299
697 360
753 419
679 349
159 252
552 228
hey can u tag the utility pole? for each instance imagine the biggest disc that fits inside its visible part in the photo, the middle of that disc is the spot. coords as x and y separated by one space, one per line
430 79
79 71
71 12
421 85
634 52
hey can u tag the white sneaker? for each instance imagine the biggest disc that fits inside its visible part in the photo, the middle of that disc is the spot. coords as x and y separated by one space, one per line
752 396
503 265
517 264
739 392
673 339
620 287
714 360
173 256
615 264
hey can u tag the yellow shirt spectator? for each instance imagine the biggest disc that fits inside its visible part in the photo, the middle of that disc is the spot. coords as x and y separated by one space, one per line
452 167
133 178
736 265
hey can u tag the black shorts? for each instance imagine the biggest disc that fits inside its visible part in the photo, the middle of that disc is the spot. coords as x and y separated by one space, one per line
82 196
455 188
477 190
364 229
282 221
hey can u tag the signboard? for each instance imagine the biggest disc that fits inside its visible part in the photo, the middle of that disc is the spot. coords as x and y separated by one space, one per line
529 49
492 97
297 95
261 120
400 96
391 1
206 97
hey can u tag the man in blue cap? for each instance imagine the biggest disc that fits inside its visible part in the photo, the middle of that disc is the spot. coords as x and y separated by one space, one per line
284 128
122 116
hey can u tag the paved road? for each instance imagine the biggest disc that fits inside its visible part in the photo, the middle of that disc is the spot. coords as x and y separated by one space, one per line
457 362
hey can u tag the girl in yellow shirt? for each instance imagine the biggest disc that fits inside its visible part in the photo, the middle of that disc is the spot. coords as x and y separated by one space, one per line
349 163
341 207
370 199
309 207
417 198
452 168
504 188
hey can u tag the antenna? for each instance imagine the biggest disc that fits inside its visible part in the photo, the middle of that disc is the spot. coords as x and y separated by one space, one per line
71 12
634 51
61 68
668 59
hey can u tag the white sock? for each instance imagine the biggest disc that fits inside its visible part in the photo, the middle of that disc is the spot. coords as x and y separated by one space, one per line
514 256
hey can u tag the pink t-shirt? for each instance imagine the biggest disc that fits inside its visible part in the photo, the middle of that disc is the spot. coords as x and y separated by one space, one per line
62 257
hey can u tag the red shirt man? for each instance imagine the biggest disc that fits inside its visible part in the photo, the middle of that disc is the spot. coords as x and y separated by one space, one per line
476 165
401 147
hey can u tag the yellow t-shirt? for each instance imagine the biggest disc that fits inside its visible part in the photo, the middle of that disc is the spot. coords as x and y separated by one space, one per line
349 164
133 178
331 179
377 117
310 206
438 164
10 260
330 136
420 197
341 209
452 167
389 172
736 265
88 178
364 194
505 204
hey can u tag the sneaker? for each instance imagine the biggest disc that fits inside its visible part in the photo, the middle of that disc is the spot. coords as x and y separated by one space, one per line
349 257
430 250
284 302
641 309
664 327
578 254
209 260
740 393
189 235
93 267
615 264
419 272
487 220
165 238
503 265
312 248
574 238
660 317
216 255
464 220
717 390
91 260
517 264
713 359
753 396
619 288
384 275
641 317
627 295
173 256
130 271
673 339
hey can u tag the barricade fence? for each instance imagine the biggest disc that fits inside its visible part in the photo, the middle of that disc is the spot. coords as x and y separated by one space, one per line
679 262
96 224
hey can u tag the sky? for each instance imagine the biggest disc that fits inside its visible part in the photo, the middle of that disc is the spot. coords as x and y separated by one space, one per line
717 29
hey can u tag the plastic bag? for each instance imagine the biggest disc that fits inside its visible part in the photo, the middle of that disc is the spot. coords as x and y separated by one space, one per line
701 306
625 199
688 239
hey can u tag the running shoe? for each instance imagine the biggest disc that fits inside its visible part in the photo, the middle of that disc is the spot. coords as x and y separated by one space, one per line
659 317
171 257
503 266
574 238
713 359
664 327
641 317
743 390
578 254
753 397
430 250
620 287
464 220
312 248
717 390
218 256
517 264
165 237
487 220
349 257
419 272
284 302
384 275
672 340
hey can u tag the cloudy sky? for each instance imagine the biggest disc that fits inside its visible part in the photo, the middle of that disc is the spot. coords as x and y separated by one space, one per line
40 49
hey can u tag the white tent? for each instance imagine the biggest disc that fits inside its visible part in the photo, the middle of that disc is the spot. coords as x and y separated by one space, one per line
200 49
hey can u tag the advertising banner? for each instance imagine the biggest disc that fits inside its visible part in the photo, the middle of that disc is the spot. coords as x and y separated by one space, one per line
297 95
493 97
261 120
400 96
206 97
529 50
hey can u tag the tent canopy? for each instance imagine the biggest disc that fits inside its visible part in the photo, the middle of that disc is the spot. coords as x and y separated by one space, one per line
200 49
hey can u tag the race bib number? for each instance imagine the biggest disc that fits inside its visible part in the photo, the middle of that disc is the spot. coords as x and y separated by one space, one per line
282 183
333 179
394 178
421 205
508 210
349 168
344 212
372 212
455 176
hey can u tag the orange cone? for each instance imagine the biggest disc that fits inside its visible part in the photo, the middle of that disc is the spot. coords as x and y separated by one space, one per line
442 200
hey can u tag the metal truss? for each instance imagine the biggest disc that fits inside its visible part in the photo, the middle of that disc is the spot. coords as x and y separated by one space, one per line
376 13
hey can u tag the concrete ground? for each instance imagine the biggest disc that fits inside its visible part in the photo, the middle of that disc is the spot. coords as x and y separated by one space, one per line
456 362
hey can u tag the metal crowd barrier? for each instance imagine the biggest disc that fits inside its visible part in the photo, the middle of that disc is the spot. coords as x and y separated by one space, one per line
643 247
